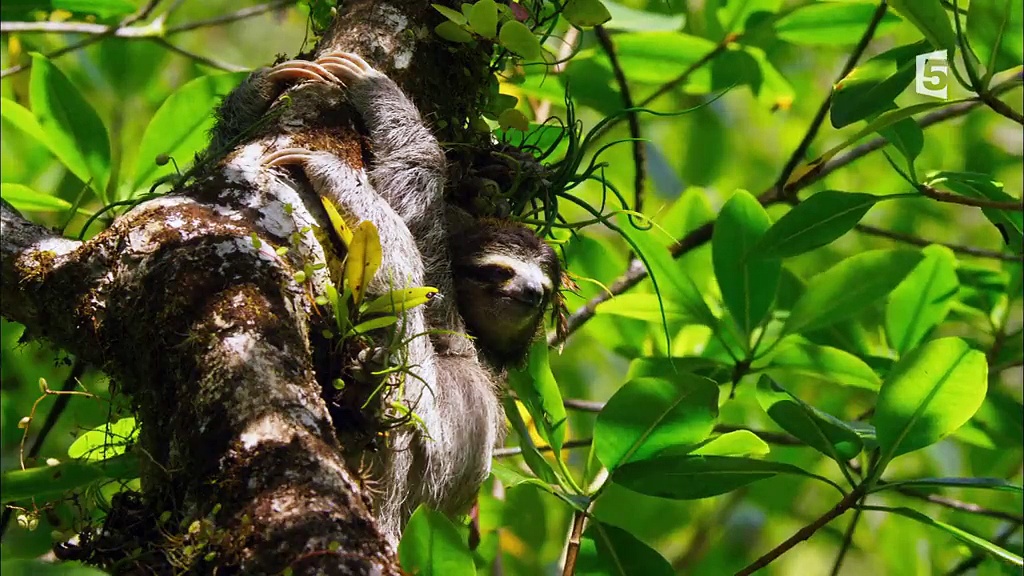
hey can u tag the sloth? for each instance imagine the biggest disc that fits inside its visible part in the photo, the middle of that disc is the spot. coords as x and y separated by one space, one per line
496 278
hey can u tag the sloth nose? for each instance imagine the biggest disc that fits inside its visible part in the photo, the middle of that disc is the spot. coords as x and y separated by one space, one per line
526 290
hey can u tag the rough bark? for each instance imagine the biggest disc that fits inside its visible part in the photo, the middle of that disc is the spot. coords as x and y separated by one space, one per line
185 304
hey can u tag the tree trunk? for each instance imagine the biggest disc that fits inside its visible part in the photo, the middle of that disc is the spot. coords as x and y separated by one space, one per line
184 302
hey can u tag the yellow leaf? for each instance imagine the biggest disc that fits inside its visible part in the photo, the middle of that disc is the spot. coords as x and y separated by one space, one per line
364 258
340 228
400 300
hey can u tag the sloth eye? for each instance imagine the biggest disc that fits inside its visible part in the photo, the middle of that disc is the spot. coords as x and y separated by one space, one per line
491 273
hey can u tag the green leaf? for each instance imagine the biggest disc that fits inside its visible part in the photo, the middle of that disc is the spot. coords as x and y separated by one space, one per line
609 551
908 138
512 118
830 23
483 18
647 307
105 441
632 20
930 18
649 415
922 301
798 356
511 477
538 391
815 222
994 30
871 87
519 39
748 284
432 546
180 126
961 535
453 15
47 482
981 483
850 286
453 32
531 455
26 199
695 477
981 186
673 282
735 443
22 119
73 131
931 392
819 430
585 13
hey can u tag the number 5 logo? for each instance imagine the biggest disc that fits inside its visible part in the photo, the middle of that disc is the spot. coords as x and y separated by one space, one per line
932 76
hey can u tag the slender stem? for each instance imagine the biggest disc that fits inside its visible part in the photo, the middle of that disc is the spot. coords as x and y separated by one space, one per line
949 197
59 405
848 501
847 542
968 507
819 117
639 146
915 241
572 551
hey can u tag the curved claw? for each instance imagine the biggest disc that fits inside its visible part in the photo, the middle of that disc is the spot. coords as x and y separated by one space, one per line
348 66
293 70
286 157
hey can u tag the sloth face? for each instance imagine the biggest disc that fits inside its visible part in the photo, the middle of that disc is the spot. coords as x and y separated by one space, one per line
505 278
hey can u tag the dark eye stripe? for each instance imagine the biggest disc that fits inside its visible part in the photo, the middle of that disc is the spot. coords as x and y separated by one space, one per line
490 273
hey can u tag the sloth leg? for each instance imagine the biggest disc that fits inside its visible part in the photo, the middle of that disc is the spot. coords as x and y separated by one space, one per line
349 190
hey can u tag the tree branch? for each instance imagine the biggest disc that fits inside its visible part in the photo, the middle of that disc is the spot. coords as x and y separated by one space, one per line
812 131
915 241
949 197
804 533
639 146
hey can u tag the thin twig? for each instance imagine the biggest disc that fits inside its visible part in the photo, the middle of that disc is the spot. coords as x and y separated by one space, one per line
804 533
572 551
819 117
968 507
1000 107
677 81
125 29
227 67
59 405
639 146
956 248
847 542
140 14
241 14
949 197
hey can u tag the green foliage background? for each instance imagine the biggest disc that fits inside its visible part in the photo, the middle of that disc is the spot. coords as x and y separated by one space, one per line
778 73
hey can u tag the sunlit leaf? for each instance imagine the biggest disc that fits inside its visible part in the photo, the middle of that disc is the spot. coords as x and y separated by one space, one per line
363 260
609 551
930 393
922 301
819 430
537 389
849 287
72 128
649 415
747 282
432 546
